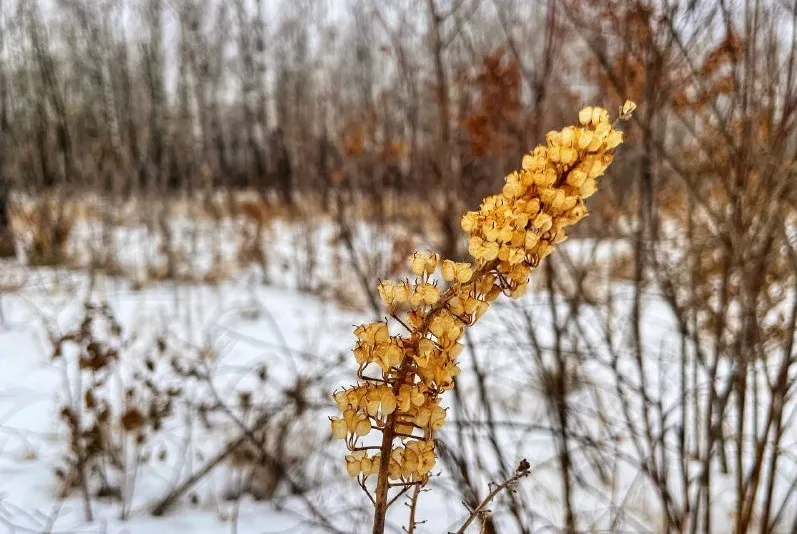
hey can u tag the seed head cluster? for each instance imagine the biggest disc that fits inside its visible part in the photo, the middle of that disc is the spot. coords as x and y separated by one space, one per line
404 376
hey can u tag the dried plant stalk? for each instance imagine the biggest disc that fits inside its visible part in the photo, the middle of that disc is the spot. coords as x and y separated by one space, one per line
508 237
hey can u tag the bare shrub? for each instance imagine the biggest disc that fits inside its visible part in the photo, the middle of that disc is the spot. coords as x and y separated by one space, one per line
108 429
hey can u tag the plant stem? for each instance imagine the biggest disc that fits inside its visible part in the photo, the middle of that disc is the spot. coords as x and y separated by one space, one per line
388 433
380 510
413 508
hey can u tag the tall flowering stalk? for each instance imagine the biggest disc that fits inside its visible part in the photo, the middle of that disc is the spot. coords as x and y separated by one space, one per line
404 376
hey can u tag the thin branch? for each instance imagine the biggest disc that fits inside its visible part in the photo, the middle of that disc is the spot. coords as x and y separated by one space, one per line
523 470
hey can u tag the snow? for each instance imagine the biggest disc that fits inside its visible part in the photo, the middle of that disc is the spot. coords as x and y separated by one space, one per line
245 326
302 340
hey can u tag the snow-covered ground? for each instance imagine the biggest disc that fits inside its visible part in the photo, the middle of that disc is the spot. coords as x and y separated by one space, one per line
266 341
245 326
286 350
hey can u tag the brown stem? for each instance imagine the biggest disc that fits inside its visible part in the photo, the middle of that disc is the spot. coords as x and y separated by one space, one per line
382 485
413 508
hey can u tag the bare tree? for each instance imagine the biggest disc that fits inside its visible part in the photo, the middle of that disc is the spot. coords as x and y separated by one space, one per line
7 245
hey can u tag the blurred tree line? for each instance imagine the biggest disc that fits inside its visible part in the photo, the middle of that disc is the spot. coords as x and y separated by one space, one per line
433 98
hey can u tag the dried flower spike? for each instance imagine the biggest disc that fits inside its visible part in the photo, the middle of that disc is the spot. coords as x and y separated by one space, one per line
404 376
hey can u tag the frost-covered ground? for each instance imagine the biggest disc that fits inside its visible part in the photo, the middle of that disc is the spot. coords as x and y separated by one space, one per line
287 350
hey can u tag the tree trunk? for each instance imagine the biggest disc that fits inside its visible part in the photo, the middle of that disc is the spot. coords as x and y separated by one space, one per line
7 248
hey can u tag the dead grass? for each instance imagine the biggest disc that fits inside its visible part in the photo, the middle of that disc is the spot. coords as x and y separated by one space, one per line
45 227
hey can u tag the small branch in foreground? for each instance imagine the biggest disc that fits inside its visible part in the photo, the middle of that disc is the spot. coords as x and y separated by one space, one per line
523 470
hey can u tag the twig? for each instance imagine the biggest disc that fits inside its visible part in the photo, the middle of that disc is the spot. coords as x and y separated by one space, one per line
166 503
398 496
362 276
365 489
523 470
